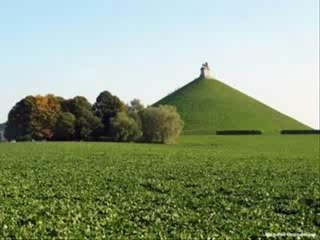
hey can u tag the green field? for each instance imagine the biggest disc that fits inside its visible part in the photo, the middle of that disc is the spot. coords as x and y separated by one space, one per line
205 186
208 105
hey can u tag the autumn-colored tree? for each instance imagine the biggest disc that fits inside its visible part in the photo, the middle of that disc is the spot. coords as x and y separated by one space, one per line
45 116
33 118
52 118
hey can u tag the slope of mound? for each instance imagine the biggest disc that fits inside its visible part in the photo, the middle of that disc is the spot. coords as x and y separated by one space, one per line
208 105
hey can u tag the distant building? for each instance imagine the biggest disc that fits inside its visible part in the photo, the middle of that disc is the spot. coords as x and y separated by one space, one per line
2 127
205 71
1 136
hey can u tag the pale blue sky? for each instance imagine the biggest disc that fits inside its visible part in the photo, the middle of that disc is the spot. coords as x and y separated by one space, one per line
146 49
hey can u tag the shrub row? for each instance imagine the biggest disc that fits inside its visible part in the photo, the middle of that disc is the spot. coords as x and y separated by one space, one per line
239 132
259 132
295 132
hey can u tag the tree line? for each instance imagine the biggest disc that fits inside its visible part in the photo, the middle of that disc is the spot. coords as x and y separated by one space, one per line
54 118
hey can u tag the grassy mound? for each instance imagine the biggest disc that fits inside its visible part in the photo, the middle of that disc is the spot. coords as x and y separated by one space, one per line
208 105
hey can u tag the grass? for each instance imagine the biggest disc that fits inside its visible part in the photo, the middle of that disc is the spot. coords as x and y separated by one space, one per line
208 105
229 187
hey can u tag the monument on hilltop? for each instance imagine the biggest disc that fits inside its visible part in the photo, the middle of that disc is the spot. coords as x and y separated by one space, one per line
207 105
205 71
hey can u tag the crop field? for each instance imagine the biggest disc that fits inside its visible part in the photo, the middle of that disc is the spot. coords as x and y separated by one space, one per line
222 187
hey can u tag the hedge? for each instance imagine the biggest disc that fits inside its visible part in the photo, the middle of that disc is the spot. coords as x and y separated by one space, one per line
239 132
295 132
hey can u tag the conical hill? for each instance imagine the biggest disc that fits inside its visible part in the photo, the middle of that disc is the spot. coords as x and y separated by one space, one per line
208 105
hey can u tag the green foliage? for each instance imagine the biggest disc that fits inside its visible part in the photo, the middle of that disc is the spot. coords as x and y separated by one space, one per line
125 128
65 128
208 105
33 118
87 125
233 187
299 132
52 118
161 124
76 106
136 106
19 125
106 107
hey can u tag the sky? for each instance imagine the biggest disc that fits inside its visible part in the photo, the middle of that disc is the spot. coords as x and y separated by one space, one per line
146 49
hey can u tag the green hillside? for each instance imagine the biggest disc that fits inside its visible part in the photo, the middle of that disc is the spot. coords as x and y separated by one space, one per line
207 105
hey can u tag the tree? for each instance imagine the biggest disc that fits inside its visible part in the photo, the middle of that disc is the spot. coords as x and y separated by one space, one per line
135 110
45 116
65 128
161 124
87 125
125 128
106 107
50 117
136 106
33 118
76 105
19 125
